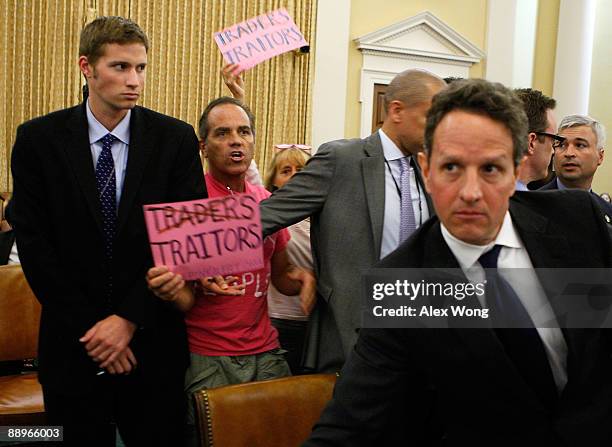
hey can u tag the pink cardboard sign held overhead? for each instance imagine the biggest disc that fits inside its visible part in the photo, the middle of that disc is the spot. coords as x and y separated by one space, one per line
206 237
260 38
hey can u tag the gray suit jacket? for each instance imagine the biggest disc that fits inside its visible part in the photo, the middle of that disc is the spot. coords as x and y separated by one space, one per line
343 188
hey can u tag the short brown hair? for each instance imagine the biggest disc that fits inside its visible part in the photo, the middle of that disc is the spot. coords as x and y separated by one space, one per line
110 29
536 105
481 97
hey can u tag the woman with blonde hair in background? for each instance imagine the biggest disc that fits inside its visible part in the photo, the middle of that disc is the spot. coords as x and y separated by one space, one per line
285 312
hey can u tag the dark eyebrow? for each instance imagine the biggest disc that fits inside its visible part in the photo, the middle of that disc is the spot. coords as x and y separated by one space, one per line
497 159
222 129
454 159
116 62
244 127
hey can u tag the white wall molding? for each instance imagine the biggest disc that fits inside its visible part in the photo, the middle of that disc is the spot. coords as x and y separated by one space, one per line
574 57
386 39
423 42
331 71
511 32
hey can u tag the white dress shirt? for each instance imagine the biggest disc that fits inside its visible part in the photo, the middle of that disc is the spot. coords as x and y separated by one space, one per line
119 149
391 222
525 283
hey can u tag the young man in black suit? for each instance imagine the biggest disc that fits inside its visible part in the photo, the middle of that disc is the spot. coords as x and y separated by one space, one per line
110 352
477 386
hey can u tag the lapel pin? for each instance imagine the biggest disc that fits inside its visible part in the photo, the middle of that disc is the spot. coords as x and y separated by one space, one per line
607 218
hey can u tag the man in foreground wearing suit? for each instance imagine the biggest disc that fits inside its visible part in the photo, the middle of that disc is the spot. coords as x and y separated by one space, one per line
555 389
353 189
578 156
110 352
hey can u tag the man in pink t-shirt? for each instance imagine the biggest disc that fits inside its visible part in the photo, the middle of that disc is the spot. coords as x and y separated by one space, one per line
231 339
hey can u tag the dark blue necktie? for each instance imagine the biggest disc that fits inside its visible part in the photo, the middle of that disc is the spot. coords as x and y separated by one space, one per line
515 330
105 181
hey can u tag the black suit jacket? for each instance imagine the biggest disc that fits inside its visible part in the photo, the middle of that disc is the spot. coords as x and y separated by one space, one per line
56 216
606 207
459 383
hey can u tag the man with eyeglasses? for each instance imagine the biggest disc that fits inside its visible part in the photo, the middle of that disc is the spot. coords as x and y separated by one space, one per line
542 125
578 156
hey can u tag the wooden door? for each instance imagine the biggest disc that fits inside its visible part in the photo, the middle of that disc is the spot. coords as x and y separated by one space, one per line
379 113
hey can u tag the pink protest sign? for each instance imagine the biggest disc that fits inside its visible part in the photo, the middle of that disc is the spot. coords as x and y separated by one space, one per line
206 237
258 39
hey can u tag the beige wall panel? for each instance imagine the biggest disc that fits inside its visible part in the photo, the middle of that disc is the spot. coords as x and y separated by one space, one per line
467 17
546 46
38 74
600 105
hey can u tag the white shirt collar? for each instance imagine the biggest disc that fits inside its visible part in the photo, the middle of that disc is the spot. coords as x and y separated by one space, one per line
467 254
390 149
97 131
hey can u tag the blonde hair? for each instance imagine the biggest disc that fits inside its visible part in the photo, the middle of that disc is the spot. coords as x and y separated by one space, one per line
292 155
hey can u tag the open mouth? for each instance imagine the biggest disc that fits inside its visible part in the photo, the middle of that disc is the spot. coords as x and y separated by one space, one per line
237 156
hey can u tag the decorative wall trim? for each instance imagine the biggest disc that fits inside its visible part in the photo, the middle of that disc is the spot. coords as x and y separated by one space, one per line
422 41
456 44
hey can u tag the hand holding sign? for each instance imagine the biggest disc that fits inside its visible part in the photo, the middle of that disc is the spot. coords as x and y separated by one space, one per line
258 39
233 80
202 238
165 284
219 285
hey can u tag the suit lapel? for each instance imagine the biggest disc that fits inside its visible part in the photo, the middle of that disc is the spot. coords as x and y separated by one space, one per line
419 177
546 251
78 151
141 145
373 169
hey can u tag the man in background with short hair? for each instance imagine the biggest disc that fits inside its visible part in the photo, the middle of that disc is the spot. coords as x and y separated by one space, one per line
365 197
542 133
578 156
231 337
